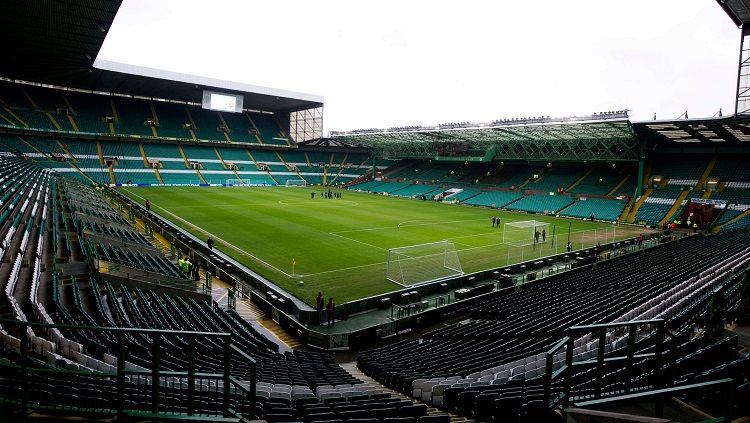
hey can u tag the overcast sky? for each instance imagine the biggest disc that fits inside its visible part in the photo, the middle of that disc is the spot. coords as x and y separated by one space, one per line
393 63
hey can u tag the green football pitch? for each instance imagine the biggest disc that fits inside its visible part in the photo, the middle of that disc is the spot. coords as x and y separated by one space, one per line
340 246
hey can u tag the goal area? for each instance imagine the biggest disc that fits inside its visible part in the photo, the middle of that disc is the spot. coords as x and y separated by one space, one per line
526 232
236 183
418 264
295 183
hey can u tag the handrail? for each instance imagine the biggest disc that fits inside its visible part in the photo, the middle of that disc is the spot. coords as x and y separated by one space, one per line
26 370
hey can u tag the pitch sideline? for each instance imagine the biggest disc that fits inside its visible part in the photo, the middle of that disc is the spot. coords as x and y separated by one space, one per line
229 244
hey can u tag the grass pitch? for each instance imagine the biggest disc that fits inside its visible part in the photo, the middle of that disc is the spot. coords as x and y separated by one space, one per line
340 246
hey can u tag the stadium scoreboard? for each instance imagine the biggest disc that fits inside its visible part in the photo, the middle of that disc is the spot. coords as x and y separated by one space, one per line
222 102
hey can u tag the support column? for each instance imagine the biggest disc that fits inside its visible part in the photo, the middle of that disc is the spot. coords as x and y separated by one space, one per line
742 104
641 169
374 168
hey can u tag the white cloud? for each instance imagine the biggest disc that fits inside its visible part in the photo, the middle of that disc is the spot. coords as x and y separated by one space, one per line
390 63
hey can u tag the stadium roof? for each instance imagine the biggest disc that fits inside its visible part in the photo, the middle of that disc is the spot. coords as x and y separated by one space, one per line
717 132
594 138
738 10
57 42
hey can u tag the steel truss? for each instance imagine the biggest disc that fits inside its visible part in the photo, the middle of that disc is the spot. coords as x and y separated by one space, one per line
608 141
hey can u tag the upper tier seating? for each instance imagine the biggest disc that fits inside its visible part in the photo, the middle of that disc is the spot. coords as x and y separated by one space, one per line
52 109
556 178
602 180
269 131
131 116
731 169
686 168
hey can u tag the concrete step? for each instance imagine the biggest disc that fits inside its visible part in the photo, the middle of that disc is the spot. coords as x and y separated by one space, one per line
250 312
353 370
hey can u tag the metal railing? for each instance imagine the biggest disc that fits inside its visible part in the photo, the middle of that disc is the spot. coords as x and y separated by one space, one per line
209 376
558 375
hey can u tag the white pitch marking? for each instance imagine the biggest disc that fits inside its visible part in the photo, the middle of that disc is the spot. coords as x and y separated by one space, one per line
232 246
361 242
316 203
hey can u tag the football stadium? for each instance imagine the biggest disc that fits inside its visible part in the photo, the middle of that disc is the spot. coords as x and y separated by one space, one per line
182 248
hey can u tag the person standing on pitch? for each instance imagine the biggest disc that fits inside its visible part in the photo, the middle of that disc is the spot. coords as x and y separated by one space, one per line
544 235
148 205
494 221
210 243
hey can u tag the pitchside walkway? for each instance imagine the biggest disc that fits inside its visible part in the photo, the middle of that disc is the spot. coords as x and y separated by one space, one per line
376 317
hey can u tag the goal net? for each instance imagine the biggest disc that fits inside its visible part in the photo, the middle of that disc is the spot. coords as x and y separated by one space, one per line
236 183
526 232
295 183
422 263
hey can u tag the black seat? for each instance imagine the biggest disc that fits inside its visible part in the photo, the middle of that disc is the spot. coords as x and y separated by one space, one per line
435 418
413 410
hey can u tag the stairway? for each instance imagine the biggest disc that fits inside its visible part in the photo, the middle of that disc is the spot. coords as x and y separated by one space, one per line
156 119
638 204
353 370
706 173
672 210
619 185
578 182
732 220
226 134
341 170
626 211
112 178
258 166
252 313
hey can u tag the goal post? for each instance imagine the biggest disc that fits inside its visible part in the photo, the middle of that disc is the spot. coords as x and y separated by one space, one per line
422 263
236 183
295 183
526 232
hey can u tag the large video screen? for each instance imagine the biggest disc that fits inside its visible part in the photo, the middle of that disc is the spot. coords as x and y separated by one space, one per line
222 102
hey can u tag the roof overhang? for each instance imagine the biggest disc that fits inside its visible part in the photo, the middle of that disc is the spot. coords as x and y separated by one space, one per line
149 82
717 132
737 10
596 140
57 42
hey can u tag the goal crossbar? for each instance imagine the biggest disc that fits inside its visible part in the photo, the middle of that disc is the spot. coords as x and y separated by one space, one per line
525 232
295 183
236 183
422 263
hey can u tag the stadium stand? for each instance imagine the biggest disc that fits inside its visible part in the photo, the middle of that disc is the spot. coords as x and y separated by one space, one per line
600 208
556 178
267 129
131 116
499 199
541 203
205 124
285 379
172 120
507 353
